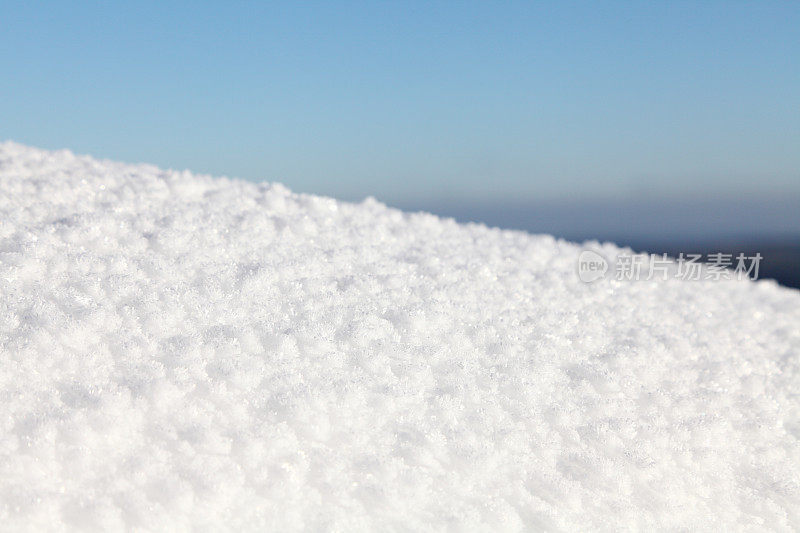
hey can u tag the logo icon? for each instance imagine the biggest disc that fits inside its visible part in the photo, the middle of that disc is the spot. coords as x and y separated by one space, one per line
591 266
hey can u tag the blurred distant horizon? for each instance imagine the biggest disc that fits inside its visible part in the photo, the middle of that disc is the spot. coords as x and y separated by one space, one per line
722 219
769 225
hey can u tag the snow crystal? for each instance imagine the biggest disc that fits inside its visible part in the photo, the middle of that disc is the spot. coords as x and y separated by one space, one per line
179 351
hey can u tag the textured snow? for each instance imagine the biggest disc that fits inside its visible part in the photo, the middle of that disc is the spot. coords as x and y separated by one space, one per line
179 351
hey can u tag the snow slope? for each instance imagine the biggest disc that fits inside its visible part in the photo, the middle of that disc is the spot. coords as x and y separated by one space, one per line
179 351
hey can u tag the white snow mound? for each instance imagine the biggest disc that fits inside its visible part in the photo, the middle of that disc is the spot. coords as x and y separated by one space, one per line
184 352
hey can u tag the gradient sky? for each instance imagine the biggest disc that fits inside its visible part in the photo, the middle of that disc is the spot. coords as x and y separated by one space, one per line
417 100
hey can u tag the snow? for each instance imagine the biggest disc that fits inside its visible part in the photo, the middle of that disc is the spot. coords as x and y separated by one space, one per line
184 352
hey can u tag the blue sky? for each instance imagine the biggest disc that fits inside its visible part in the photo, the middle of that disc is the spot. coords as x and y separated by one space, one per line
411 100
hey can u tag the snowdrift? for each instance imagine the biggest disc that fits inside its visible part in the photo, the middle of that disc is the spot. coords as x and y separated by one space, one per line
180 351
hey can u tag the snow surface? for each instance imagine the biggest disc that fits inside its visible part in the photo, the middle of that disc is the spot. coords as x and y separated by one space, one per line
179 351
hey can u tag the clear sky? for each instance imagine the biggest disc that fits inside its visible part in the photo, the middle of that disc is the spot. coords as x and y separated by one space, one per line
410 100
